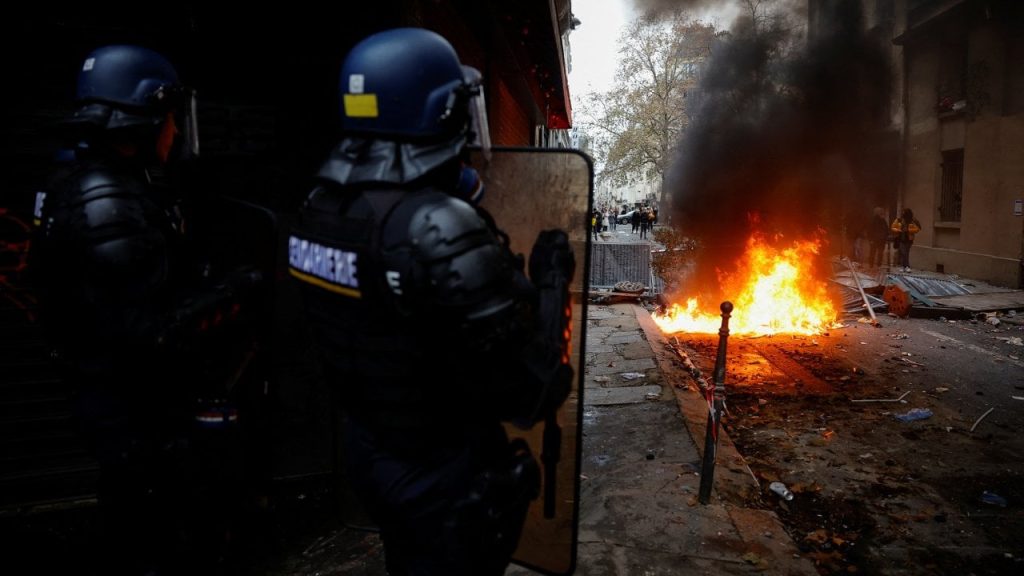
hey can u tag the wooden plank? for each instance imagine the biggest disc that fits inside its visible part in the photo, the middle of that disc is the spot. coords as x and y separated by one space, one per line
984 302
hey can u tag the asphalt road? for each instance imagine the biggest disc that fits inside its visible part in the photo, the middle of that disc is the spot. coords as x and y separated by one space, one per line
875 494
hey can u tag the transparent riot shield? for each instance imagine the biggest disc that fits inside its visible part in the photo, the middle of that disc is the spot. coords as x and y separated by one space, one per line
529 190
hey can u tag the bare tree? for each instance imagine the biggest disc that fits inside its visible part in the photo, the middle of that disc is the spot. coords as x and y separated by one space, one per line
638 123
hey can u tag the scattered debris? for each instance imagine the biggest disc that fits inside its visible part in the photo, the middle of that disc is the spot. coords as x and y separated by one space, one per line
819 536
695 372
900 399
993 499
991 318
898 299
914 414
632 375
780 489
941 389
629 287
863 295
982 417
754 559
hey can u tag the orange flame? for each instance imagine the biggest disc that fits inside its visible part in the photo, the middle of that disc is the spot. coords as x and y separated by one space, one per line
775 292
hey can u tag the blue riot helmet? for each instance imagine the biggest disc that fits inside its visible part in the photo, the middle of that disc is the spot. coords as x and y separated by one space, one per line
408 106
404 84
124 86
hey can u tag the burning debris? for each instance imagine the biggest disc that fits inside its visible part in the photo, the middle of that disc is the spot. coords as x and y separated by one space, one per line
777 291
775 149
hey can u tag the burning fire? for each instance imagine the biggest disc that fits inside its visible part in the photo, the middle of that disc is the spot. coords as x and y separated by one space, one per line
775 292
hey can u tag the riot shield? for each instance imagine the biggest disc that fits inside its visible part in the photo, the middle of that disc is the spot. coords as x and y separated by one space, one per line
529 190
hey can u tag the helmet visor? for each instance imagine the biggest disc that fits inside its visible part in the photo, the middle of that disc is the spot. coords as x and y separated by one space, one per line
182 102
479 133
190 125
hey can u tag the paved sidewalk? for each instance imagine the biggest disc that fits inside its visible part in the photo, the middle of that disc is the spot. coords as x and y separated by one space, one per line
639 510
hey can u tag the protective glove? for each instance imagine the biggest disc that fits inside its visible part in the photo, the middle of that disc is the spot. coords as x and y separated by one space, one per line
552 261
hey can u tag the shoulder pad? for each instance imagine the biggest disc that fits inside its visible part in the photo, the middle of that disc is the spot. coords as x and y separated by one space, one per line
88 182
92 180
437 226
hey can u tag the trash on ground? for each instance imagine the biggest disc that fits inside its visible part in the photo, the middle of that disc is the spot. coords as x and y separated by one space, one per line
993 499
752 558
982 417
900 399
780 489
915 414
632 375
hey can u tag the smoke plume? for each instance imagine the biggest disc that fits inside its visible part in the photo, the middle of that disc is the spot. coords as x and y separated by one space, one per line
786 125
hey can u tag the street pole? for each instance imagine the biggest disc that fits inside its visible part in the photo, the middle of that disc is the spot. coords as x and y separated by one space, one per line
716 406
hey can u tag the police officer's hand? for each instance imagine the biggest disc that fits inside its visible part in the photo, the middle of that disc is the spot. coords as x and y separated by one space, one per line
552 258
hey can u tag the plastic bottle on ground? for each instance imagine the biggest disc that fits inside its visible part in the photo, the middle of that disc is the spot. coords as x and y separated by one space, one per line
780 489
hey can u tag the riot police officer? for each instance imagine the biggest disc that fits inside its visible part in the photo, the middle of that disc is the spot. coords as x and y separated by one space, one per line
121 294
431 333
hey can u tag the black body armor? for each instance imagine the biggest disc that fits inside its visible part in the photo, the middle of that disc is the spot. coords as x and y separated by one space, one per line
105 263
423 313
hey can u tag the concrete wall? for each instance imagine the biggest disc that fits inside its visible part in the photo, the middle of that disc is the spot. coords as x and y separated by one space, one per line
987 242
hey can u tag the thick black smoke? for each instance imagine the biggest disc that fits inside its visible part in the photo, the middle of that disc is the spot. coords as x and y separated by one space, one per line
786 130
661 6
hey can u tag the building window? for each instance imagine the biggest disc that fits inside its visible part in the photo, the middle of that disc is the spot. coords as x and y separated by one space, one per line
952 185
952 88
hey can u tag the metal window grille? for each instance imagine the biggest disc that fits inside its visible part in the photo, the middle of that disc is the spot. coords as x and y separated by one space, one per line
952 185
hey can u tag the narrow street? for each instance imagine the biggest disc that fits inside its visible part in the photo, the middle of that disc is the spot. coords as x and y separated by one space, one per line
875 494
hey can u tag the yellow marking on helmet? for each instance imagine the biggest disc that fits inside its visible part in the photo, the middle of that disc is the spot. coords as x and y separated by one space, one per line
361 105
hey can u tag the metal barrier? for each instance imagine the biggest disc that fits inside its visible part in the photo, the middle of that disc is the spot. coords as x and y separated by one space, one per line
613 262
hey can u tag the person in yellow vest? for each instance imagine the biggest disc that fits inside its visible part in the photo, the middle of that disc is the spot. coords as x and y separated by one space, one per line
904 228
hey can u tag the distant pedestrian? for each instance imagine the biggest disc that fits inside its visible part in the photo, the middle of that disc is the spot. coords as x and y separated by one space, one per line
634 219
905 227
878 237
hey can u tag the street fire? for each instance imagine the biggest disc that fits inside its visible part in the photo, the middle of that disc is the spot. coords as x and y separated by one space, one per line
775 292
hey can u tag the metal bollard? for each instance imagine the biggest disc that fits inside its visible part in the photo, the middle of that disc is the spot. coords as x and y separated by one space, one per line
715 408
